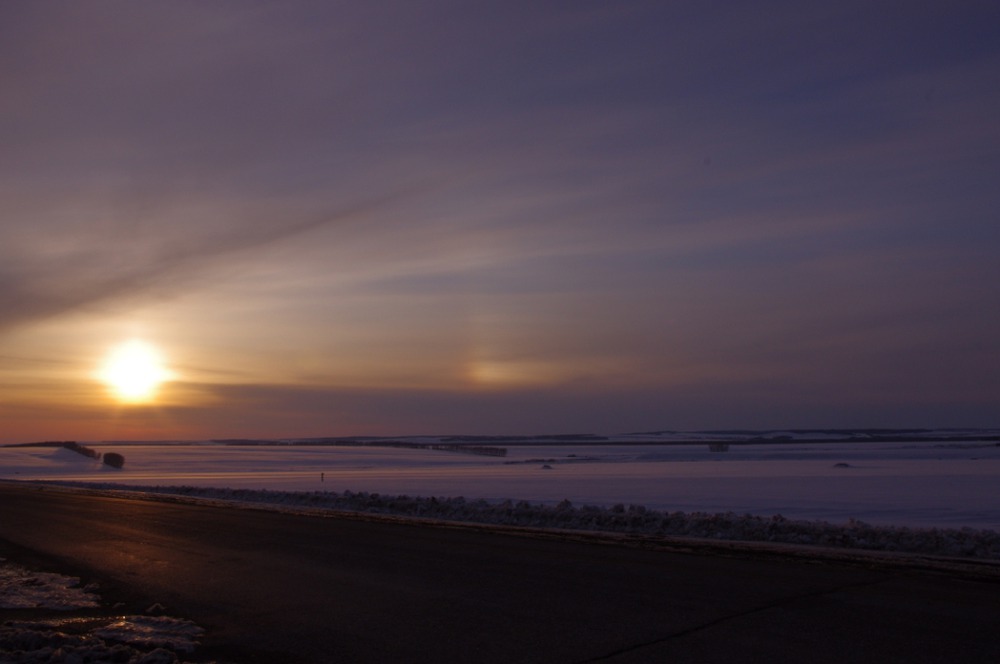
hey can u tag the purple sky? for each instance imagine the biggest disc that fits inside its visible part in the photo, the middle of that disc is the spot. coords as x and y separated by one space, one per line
519 217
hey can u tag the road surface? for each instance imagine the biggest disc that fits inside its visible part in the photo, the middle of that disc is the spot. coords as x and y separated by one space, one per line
281 587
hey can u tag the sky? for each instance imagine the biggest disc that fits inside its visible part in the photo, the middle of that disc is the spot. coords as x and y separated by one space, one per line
391 218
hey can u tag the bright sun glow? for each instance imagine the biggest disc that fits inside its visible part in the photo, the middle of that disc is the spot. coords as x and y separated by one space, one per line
133 371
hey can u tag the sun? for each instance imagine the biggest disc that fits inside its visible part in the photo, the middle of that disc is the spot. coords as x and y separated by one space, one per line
133 370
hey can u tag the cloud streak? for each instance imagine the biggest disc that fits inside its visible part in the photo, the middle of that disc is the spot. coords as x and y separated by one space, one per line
104 269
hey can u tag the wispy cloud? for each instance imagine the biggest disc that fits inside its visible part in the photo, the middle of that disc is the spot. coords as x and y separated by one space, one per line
660 196
102 268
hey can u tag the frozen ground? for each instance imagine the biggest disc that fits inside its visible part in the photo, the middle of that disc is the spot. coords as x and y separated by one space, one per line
39 636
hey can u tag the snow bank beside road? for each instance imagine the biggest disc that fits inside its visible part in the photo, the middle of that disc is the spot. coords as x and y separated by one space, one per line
128 640
631 519
24 589
124 639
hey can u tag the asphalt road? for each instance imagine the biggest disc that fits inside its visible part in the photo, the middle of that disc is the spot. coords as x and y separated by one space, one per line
275 587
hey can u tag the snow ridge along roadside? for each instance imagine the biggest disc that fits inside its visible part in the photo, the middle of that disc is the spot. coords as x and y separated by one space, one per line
637 520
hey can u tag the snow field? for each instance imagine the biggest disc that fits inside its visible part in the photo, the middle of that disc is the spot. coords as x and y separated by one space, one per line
918 484
921 497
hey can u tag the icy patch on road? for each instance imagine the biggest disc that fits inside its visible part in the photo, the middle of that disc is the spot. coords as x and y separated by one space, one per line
73 640
158 632
23 589
124 639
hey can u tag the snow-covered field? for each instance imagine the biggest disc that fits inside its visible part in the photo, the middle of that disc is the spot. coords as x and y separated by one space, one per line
915 484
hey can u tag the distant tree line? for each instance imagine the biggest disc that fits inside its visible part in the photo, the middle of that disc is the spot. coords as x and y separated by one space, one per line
464 449
112 459
559 438
472 449
405 444
74 446
44 443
